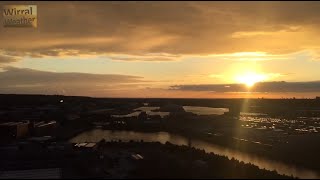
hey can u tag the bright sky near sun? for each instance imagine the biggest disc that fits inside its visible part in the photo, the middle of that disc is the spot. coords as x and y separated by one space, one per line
164 49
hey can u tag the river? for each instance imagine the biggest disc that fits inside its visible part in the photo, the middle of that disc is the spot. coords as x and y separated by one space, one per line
97 134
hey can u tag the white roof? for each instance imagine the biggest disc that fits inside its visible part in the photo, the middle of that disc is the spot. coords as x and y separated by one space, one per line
52 173
80 144
136 156
90 145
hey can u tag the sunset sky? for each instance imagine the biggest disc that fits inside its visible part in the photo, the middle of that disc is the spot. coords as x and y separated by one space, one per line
165 49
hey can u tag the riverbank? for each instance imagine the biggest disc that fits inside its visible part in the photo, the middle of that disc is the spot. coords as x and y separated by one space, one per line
241 146
176 161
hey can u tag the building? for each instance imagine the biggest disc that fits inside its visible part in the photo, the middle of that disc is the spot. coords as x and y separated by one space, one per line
51 173
44 128
136 156
14 130
86 146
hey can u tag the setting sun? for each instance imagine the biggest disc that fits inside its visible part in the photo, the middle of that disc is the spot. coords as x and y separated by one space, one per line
249 79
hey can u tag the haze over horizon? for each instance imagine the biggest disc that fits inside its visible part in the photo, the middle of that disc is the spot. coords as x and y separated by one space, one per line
165 49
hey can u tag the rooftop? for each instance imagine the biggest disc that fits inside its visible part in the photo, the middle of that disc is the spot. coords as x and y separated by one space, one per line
52 173
13 123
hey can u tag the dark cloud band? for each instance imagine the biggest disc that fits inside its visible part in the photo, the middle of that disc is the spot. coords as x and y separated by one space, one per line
258 87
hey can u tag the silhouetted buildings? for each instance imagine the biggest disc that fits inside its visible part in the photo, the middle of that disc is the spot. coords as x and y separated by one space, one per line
86 146
14 130
22 129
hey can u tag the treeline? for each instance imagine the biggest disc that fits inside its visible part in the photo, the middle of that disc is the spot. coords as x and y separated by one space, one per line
174 161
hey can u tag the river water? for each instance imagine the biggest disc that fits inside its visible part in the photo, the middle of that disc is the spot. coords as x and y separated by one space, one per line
199 110
97 134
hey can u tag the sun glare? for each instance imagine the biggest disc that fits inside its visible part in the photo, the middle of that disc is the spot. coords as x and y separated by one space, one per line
249 79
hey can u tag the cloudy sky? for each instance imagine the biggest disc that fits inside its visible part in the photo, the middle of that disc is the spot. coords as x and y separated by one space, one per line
165 49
